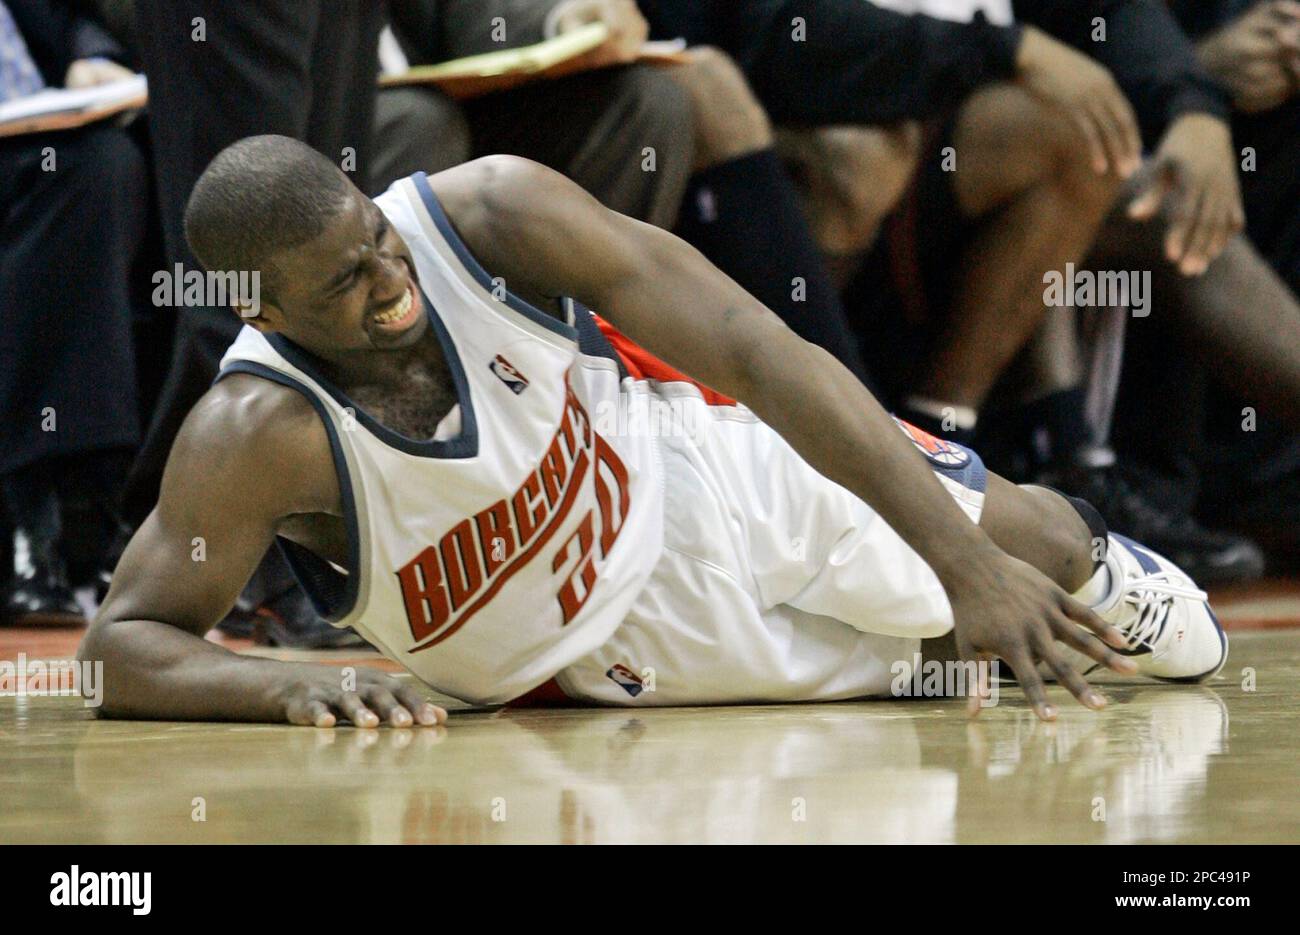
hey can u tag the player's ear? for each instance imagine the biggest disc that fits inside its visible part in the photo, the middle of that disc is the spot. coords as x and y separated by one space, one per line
264 316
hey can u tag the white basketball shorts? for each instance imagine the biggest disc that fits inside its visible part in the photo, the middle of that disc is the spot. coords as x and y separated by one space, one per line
775 584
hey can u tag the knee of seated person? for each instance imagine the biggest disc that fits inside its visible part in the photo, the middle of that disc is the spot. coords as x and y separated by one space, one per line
729 120
1071 164
873 167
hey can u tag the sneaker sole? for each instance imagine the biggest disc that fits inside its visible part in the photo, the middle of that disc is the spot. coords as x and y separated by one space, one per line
1223 658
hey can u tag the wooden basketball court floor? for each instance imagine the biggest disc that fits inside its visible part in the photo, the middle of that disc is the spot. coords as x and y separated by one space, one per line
1163 763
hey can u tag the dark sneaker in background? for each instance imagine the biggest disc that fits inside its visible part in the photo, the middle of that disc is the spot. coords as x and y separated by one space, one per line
1209 556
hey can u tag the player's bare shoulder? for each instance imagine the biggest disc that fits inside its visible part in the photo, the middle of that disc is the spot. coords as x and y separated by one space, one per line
256 444
495 200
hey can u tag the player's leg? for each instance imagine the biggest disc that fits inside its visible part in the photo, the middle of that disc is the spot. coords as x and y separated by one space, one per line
873 581
1041 527
1172 632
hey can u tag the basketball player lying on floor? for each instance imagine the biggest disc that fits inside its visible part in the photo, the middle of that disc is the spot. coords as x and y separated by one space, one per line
452 469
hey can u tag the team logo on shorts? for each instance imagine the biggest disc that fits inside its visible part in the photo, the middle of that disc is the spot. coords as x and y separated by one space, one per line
508 375
626 679
940 451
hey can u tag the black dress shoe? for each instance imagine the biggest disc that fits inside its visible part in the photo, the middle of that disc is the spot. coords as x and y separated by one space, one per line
39 592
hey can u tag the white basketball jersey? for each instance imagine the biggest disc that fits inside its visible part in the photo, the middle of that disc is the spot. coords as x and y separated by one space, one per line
487 561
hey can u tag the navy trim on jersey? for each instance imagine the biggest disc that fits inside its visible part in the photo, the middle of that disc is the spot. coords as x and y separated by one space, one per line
464 445
315 574
475 269
591 340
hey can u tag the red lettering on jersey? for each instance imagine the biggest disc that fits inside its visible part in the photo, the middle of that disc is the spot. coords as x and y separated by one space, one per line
424 593
610 525
443 587
496 536
552 472
460 563
528 517
577 476
570 601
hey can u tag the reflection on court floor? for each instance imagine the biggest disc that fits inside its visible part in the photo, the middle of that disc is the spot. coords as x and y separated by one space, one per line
1164 763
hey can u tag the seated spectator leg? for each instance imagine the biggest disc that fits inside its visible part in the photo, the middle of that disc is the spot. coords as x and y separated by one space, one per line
416 130
72 220
1245 322
742 211
1239 315
850 179
1023 172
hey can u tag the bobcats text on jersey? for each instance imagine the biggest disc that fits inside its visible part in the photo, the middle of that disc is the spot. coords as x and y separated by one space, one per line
448 583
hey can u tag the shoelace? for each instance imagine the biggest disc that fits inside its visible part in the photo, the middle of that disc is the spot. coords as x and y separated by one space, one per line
1153 595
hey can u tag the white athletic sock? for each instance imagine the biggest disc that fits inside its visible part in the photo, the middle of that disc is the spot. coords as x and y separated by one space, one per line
1097 589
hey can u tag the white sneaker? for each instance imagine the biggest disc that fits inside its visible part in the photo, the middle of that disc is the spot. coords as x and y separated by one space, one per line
1172 634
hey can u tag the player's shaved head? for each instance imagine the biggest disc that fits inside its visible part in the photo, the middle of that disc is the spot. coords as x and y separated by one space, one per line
259 196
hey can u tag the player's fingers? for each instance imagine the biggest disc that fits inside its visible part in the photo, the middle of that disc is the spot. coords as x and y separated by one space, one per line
1069 633
1088 618
351 706
387 707
1068 676
1075 683
310 712
1032 685
424 711
978 688
1127 120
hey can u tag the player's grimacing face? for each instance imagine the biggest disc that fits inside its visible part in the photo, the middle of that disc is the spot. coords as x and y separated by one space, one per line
353 288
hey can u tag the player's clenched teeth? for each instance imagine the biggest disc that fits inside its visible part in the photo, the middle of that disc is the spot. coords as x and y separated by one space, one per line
399 312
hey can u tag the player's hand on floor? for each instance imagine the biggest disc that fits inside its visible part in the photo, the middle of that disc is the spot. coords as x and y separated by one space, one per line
322 696
1008 610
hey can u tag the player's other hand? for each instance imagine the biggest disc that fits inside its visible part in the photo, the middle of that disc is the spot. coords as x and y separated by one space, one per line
1006 609
1193 174
89 72
1086 92
628 29
322 696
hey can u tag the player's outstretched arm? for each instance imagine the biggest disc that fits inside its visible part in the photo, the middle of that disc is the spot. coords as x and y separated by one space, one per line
244 459
533 226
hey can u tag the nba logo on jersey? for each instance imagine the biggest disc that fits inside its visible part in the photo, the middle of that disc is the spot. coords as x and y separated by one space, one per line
625 678
508 375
